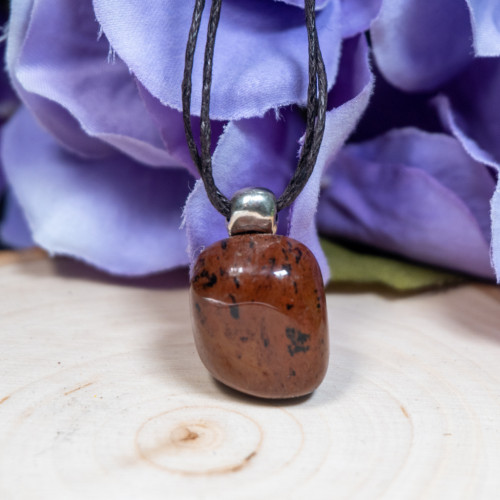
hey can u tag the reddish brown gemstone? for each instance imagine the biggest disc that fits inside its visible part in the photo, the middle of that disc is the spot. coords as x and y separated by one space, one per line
259 313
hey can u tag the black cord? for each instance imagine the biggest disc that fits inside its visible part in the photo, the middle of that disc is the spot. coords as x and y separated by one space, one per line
317 95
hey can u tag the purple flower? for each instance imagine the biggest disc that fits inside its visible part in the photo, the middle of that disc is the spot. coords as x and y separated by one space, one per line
426 189
402 193
8 99
97 161
98 167
8 104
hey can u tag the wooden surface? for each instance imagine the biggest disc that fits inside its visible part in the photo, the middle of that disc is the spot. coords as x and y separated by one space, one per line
102 396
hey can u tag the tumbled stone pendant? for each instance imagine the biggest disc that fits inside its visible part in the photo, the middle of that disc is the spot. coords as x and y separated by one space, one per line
258 303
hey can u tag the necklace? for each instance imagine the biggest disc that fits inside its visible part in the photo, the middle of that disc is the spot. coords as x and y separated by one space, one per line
258 301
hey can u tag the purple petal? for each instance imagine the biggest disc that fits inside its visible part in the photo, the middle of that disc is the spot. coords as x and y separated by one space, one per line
53 116
420 44
14 230
415 194
260 58
263 152
62 62
169 122
453 122
469 109
357 15
485 17
390 108
495 231
320 4
8 98
2 183
112 213
350 98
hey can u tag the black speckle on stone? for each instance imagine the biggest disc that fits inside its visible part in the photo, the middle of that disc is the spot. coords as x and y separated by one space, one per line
289 245
221 272
263 333
199 313
211 279
251 243
298 341
236 282
285 253
287 268
264 338
289 306
229 332
272 262
238 355
298 254
233 298
292 372
223 244
235 311
244 339
302 338
318 306
295 287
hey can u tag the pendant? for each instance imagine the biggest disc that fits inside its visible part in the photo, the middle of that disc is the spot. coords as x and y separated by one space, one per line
258 305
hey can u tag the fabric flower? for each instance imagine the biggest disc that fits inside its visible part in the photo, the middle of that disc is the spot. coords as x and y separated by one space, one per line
108 178
401 192
107 171
417 191
8 101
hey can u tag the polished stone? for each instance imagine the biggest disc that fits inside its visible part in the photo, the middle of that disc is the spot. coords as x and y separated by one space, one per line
259 311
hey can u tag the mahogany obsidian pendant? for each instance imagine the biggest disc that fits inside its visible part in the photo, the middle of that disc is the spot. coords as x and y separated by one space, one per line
259 309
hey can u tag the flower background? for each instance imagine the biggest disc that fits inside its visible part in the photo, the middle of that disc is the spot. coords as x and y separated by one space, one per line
95 161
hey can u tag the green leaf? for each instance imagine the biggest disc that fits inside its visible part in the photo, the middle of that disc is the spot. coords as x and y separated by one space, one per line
359 267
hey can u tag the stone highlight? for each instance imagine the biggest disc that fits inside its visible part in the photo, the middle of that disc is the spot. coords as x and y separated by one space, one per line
259 314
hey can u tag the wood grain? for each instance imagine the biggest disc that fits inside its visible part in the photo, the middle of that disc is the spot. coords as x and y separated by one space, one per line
102 396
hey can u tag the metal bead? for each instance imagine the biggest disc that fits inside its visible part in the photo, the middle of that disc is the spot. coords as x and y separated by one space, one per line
253 210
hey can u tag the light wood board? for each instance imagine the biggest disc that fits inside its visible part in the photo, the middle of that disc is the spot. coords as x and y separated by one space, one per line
102 396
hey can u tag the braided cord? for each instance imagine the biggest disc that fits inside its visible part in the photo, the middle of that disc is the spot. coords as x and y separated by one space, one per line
317 96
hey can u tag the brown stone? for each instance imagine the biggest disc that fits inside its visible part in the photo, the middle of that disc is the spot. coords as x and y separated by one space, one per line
259 312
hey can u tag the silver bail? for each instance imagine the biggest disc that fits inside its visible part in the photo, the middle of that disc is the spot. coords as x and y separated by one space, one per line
253 210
